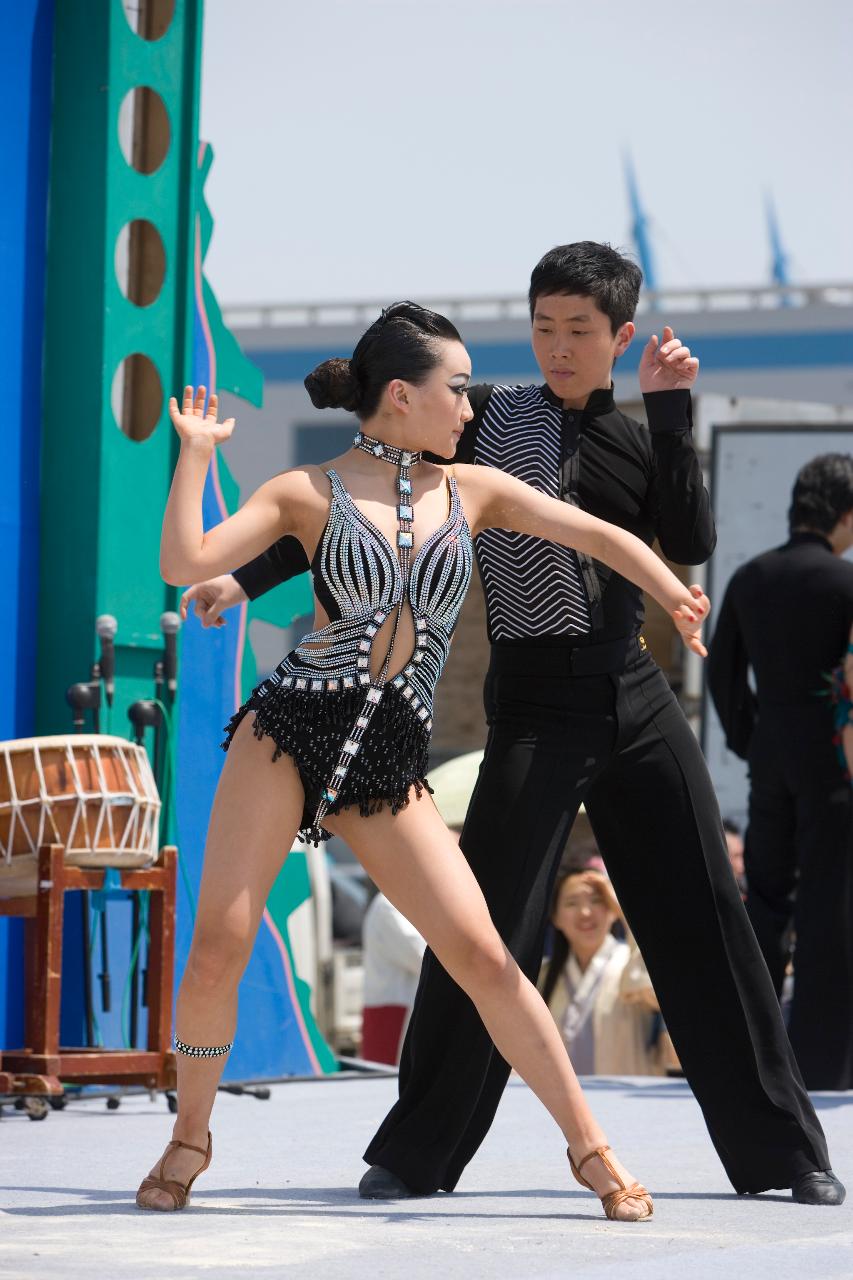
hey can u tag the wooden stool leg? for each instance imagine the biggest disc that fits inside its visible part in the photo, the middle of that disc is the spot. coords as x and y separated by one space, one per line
161 956
44 953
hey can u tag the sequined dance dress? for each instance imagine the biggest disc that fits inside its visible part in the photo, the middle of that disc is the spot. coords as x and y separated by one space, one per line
359 739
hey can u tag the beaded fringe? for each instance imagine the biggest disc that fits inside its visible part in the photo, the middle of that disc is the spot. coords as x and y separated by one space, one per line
309 726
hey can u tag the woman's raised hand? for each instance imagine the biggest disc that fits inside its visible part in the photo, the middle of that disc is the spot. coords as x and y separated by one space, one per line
689 617
192 424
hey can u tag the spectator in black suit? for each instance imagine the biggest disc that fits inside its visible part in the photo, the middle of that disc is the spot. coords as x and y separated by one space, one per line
787 617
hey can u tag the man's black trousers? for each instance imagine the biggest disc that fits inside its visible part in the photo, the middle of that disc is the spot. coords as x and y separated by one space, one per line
620 743
799 866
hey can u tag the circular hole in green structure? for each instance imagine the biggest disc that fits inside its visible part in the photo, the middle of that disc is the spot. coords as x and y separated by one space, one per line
144 132
137 396
149 19
140 262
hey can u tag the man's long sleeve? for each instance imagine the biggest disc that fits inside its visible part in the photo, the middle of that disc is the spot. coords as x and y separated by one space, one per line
727 673
283 560
679 500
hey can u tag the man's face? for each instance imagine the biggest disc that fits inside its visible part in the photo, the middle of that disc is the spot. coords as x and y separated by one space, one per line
575 346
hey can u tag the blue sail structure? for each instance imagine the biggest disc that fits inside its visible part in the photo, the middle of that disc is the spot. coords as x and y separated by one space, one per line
640 227
778 257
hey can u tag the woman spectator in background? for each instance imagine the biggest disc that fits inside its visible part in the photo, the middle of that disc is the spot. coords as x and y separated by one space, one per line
596 985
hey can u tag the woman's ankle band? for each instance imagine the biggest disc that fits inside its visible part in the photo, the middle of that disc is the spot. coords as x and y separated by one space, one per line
203 1051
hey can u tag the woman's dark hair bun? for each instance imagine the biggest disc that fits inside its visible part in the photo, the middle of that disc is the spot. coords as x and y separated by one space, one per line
333 385
404 342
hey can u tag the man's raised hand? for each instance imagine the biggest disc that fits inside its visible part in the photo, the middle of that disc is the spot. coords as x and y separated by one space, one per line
212 598
667 365
193 424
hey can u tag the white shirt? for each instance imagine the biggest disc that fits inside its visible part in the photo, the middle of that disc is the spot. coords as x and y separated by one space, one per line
393 953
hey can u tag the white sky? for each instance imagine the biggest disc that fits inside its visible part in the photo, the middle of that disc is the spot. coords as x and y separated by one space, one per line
423 148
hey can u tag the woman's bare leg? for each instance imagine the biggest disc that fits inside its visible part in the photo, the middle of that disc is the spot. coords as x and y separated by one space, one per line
419 867
253 822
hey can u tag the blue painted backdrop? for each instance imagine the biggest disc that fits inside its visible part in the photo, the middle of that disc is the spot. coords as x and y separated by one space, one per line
25 104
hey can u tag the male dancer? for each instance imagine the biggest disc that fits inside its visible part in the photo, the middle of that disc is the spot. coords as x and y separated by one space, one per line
799 840
578 711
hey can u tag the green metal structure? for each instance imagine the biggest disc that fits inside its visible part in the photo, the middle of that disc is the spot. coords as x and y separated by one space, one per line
100 534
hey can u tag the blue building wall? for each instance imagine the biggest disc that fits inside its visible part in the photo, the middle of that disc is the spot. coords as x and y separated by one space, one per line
25 107
727 352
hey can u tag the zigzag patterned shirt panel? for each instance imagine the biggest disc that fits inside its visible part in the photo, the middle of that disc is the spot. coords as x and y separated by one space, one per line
533 588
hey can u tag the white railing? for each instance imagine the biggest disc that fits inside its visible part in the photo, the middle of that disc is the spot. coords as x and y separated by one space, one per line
739 298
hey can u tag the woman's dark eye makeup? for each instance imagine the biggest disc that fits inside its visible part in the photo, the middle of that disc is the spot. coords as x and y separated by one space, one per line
459 388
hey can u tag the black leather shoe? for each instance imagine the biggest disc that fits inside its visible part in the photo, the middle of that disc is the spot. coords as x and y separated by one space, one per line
381 1184
820 1187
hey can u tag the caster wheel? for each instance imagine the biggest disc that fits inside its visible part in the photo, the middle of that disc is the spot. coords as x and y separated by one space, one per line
58 1103
36 1108
113 1104
172 1103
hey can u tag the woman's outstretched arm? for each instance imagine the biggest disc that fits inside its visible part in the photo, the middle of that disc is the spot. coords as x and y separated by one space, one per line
495 500
187 553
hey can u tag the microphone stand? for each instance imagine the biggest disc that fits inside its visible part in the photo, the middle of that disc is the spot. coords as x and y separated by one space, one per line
143 714
104 975
81 698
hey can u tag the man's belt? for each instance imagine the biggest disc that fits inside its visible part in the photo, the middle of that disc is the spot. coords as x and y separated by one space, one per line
564 660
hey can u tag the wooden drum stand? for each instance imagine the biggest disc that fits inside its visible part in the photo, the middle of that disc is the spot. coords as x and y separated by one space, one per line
42 1065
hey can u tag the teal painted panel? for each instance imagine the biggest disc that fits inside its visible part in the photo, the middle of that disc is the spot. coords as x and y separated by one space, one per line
104 494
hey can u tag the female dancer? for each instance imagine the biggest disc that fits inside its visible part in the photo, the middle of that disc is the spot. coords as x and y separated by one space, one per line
348 711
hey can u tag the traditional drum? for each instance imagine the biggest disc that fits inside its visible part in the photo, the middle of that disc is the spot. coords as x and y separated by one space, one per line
92 793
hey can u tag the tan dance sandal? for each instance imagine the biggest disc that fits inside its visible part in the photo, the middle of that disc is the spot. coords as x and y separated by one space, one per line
612 1199
179 1191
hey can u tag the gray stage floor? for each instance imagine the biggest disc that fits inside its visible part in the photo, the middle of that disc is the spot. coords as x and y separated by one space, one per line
279 1198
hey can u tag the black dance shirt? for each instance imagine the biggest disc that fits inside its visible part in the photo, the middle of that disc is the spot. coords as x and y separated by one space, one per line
787 615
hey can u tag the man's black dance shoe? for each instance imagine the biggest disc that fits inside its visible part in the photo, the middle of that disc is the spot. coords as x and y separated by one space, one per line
382 1184
820 1187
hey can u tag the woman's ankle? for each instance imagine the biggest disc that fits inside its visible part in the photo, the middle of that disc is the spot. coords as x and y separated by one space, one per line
191 1132
585 1142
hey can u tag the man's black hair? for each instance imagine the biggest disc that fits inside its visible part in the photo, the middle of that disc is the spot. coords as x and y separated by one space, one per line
823 493
591 270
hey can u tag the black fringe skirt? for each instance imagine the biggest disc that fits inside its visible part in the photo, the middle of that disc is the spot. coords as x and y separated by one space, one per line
312 727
